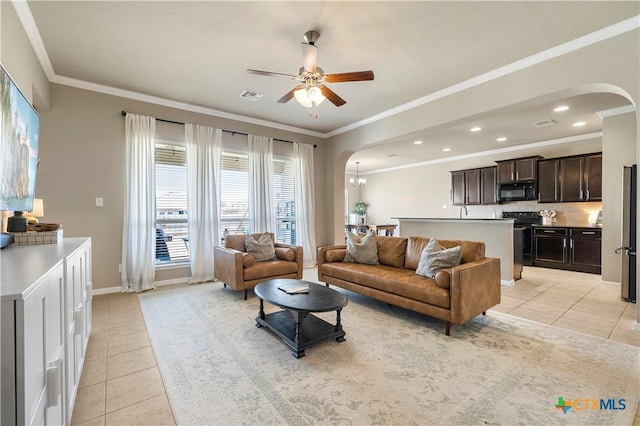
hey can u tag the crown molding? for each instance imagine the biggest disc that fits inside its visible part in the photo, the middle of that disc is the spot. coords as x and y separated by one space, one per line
616 111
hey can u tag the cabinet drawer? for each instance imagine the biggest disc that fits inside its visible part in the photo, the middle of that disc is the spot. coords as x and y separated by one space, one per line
551 231
593 233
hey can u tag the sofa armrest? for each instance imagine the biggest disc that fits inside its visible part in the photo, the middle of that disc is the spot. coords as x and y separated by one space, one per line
322 252
227 265
475 287
299 258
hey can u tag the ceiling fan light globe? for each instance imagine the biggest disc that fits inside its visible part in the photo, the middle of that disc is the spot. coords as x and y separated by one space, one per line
303 98
316 96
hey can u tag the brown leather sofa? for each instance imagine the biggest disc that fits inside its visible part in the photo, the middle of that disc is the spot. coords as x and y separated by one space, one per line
455 295
238 269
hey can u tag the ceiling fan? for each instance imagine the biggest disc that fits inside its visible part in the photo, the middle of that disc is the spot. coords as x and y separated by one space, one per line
312 90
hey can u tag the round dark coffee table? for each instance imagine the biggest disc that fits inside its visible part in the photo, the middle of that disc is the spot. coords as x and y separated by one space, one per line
297 327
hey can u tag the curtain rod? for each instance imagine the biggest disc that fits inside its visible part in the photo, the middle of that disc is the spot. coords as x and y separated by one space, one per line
124 114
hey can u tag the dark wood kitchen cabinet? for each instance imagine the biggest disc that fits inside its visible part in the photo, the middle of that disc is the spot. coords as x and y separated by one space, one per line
581 178
473 186
549 181
574 249
488 189
517 170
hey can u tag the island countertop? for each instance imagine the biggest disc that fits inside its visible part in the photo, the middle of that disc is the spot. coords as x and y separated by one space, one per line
497 235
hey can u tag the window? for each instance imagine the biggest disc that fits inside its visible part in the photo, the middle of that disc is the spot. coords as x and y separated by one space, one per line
234 196
283 184
171 204
234 193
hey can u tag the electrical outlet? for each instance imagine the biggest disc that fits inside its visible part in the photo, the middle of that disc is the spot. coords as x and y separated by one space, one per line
99 202
119 267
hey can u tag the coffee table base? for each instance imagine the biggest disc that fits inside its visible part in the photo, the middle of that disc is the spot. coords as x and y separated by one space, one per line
300 330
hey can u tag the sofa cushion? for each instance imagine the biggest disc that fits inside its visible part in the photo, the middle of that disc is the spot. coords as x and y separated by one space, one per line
285 253
471 250
391 250
402 282
361 250
262 249
269 268
434 257
335 255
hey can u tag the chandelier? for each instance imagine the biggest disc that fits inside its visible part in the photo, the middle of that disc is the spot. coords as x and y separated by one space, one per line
357 181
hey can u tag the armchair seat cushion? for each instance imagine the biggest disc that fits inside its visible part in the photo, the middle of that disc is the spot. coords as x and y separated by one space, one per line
269 268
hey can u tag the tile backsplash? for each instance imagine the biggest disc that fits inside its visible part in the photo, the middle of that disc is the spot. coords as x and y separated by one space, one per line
569 213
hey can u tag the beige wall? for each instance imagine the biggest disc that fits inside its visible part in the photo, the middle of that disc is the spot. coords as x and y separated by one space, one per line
619 149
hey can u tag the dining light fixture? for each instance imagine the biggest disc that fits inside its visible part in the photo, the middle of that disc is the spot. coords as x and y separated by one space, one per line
358 181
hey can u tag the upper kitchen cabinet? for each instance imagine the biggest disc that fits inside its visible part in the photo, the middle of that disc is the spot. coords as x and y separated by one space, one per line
581 178
518 170
549 181
473 186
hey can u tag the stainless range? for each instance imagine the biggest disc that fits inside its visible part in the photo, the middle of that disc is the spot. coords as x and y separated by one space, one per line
525 220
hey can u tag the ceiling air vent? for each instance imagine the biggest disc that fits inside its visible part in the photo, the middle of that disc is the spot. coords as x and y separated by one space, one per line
544 123
251 95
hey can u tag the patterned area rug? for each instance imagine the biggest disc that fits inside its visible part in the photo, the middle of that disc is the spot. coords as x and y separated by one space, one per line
395 367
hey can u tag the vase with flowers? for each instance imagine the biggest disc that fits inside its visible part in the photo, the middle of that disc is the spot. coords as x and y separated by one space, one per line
547 216
361 210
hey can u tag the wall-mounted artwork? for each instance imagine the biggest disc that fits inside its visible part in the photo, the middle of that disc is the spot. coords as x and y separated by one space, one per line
19 130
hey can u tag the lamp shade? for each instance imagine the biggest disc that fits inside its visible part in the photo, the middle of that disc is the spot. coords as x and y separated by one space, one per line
37 210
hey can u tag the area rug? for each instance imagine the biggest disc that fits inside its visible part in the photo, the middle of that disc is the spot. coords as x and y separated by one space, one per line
396 367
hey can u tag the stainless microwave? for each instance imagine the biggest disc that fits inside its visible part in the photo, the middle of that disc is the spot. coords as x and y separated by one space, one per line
518 191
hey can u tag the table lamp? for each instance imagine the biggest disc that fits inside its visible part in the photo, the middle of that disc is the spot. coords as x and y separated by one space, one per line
36 212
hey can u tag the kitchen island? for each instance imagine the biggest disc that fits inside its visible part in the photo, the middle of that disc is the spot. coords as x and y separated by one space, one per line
497 234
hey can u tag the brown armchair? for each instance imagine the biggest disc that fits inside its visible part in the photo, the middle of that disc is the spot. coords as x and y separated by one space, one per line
237 269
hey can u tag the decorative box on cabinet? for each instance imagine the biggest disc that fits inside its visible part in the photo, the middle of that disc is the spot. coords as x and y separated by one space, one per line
35 345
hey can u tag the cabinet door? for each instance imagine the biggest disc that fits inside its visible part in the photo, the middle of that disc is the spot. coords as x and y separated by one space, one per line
55 347
571 179
31 320
586 253
458 188
549 181
526 169
488 193
506 172
550 249
73 344
472 183
593 177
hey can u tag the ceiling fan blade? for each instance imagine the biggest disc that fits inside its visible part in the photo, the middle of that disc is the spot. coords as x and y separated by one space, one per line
349 76
289 95
332 96
310 57
271 74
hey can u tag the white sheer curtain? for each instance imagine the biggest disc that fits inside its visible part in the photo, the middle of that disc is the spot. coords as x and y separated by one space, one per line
139 235
305 201
262 214
203 177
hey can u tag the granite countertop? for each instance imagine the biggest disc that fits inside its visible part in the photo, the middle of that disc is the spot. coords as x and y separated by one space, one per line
466 218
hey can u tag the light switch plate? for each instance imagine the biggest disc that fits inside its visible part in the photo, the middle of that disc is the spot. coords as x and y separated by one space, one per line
99 202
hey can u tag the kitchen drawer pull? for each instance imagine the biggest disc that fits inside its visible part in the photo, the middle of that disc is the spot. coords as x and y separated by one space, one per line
588 233
548 231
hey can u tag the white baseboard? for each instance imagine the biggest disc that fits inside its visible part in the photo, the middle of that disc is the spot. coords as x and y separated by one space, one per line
508 282
118 289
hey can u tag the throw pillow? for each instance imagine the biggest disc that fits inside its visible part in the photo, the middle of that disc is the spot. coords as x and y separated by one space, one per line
285 253
362 250
434 258
262 249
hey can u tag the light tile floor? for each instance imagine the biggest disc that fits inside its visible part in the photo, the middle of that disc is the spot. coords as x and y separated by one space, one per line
121 384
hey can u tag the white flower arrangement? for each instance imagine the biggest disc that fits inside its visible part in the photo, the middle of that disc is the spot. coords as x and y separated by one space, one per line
547 213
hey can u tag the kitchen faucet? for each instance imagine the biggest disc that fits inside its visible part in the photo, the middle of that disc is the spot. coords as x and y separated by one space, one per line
466 213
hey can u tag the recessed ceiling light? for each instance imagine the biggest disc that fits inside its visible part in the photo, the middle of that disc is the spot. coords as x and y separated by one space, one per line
579 123
446 149
501 139
561 108
417 142
475 129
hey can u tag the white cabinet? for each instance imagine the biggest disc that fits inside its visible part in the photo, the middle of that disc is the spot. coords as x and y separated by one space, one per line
38 285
